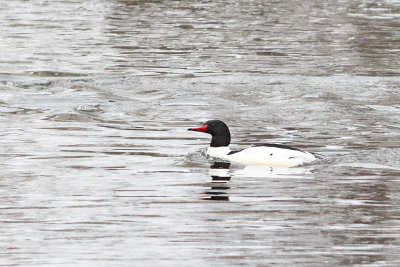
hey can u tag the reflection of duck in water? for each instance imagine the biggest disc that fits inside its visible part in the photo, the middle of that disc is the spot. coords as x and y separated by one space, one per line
219 173
266 154
271 172
221 176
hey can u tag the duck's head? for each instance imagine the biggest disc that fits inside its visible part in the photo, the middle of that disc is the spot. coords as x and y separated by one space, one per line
218 130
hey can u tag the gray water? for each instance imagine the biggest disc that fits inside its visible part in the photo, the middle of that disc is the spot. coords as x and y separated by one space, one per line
97 166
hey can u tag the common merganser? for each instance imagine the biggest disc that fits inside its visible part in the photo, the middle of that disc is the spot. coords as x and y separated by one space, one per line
267 154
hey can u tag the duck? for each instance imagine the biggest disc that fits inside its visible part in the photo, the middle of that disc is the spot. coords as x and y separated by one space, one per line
273 155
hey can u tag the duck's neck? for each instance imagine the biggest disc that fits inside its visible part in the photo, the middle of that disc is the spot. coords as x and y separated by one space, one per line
220 152
221 140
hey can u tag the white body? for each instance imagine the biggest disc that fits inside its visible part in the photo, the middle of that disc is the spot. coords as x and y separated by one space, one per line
263 155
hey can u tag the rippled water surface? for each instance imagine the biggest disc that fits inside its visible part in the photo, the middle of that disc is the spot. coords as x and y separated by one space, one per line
97 167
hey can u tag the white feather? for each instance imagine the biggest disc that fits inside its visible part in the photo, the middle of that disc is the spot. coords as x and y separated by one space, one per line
263 155
218 152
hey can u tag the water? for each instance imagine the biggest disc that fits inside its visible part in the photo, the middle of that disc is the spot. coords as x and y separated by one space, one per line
98 169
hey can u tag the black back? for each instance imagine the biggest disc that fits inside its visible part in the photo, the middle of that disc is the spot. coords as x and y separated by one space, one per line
281 146
270 145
